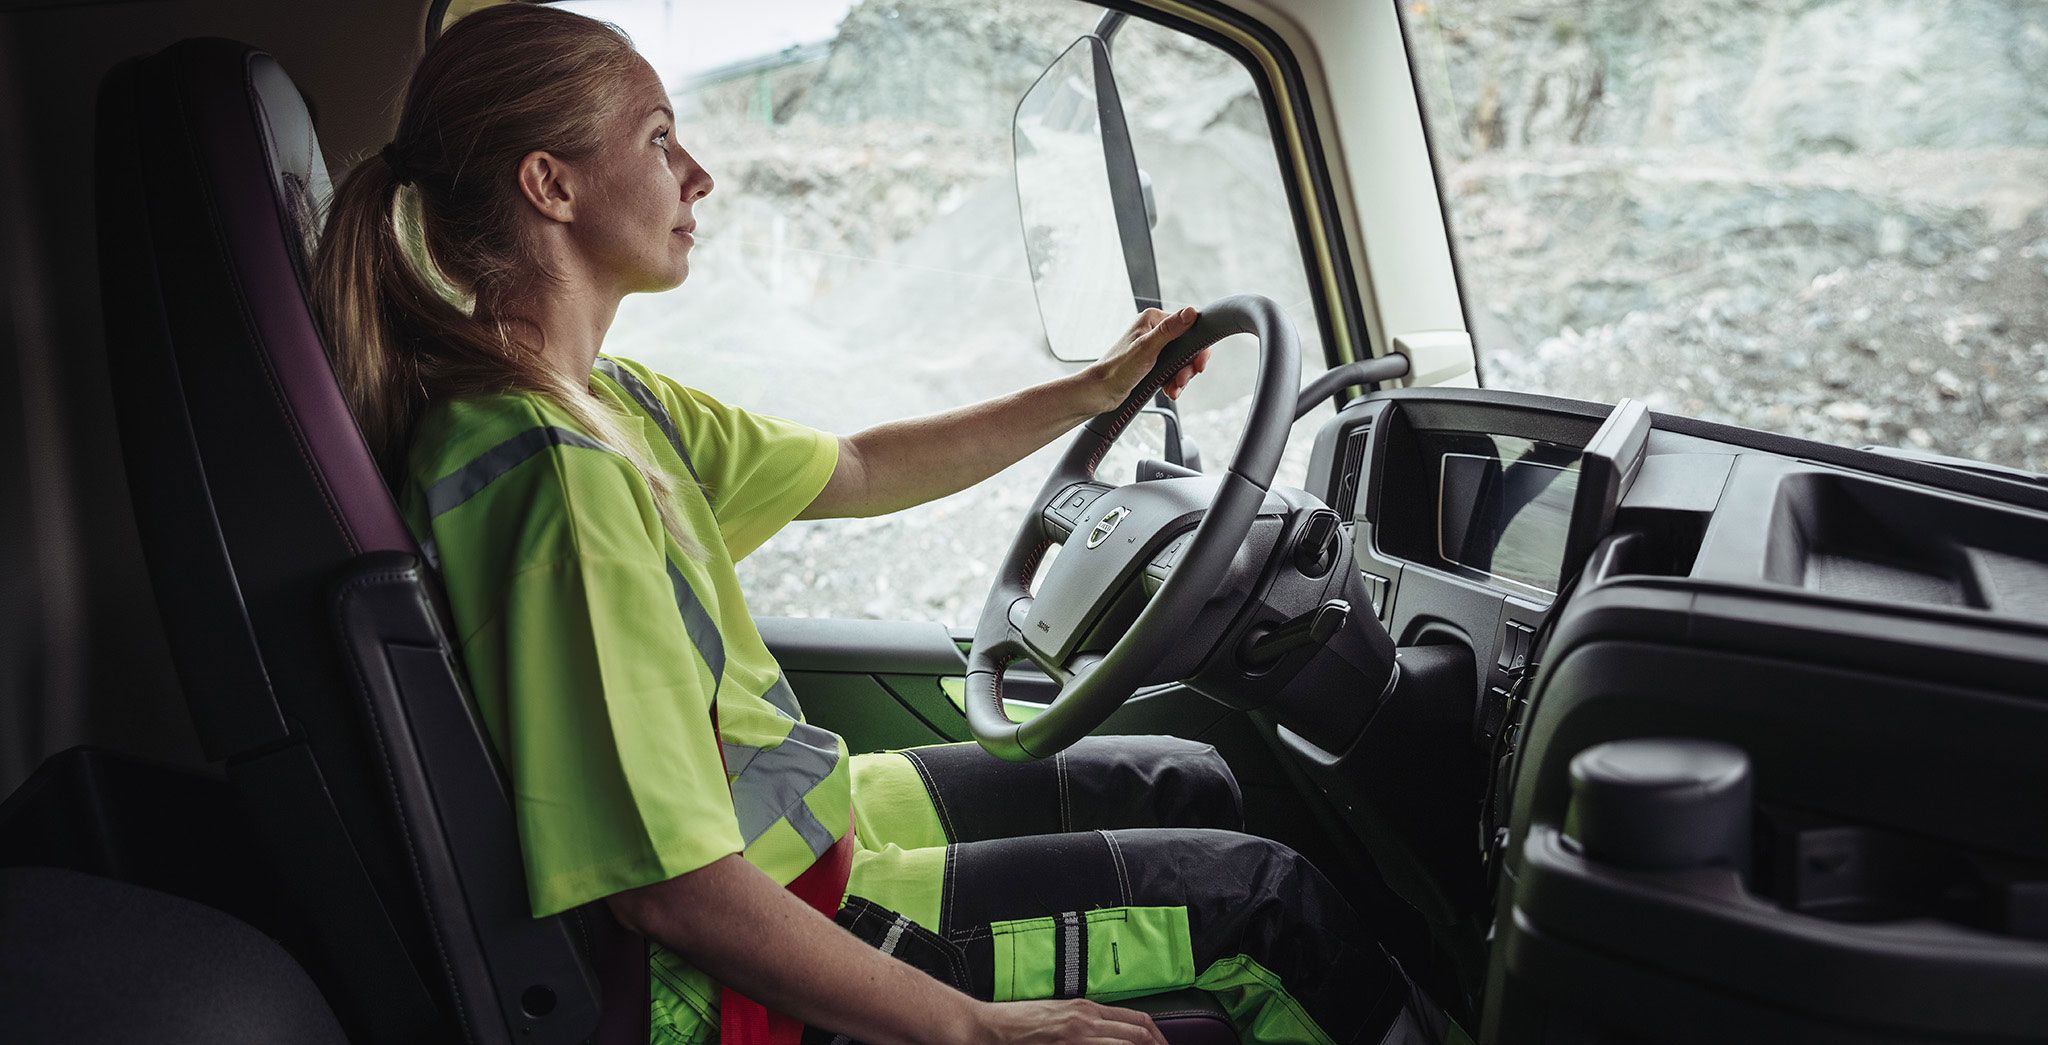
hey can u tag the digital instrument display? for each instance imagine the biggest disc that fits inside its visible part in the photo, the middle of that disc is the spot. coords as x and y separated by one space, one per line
1506 514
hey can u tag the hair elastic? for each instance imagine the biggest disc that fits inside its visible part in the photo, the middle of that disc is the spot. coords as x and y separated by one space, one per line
396 163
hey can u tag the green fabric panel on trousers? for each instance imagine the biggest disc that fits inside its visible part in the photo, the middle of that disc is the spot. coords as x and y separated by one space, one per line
1132 951
1024 958
892 805
1259 1007
1136 951
907 881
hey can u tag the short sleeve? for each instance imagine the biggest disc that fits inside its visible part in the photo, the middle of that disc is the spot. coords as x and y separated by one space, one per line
598 701
760 472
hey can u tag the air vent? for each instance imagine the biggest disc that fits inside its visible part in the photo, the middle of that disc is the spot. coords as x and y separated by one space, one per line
1350 470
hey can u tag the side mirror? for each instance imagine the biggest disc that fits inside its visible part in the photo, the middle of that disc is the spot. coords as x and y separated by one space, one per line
1086 209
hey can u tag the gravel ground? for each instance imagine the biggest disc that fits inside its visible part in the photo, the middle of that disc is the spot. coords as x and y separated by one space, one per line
1951 357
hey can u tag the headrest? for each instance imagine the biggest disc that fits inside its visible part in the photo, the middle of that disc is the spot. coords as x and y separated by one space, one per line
297 166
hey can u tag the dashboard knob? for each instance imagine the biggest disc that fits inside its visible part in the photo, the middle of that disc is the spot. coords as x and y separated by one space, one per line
1662 803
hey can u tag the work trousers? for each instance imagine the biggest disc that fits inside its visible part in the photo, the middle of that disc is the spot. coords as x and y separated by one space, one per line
1112 870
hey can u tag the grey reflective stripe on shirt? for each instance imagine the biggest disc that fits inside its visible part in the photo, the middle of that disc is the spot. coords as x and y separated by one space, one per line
772 782
469 480
782 698
697 623
651 403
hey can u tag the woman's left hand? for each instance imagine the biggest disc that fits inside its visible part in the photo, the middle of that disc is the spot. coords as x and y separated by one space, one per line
1131 358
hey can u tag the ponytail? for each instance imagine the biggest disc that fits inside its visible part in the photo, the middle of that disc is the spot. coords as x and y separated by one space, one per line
421 241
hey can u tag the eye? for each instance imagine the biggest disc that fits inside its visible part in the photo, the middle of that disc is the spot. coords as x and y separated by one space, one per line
661 139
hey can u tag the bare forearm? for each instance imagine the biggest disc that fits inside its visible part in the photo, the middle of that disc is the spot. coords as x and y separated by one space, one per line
736 924
920 459
893 466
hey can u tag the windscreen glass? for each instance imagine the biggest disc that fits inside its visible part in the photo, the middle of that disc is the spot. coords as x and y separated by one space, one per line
1826 218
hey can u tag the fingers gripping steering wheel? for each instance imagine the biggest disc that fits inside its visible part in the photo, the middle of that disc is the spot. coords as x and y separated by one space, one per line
1111 542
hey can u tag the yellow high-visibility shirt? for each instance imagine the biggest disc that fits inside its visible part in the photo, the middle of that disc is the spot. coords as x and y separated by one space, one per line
594 647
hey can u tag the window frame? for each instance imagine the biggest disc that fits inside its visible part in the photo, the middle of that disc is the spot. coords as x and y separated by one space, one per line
1443 196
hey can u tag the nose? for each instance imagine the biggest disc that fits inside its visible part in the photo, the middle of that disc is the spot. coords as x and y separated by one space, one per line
696 181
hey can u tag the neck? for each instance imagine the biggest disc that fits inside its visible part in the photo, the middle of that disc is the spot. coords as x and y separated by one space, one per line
566 321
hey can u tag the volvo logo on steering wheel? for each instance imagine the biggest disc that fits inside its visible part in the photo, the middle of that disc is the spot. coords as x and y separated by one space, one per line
1107 526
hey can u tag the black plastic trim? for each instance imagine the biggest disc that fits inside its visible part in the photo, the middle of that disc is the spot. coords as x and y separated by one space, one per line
2026 495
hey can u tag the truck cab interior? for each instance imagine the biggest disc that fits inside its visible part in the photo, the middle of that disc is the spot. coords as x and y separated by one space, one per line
1623 720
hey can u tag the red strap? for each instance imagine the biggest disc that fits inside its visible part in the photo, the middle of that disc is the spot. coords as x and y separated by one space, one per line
744 1021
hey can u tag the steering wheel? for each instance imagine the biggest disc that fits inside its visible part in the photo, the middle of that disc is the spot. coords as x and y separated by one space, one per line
1111 541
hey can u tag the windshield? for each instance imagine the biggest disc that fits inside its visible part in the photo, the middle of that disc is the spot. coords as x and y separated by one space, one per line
1827 219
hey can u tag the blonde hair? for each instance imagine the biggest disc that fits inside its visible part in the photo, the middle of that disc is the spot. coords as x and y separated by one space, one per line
422 244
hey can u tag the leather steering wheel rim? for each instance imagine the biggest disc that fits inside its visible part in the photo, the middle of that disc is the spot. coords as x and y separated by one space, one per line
1090 695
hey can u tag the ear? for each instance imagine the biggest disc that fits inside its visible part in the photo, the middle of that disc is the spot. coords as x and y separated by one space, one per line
545 182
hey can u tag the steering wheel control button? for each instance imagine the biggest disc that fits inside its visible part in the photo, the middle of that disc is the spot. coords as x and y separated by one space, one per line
1078 501
1171 553
1662 803
1315 545
1067 508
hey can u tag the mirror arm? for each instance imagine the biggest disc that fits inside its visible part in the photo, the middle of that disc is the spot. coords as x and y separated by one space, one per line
1171 417
1359 372
1110 23
1126 184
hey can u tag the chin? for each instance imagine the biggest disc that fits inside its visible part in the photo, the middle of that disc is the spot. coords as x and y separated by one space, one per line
668 278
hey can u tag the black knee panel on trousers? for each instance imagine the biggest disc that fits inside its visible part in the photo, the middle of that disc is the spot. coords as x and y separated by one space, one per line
1100 783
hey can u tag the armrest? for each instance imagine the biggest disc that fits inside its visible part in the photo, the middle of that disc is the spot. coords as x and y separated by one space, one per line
512 976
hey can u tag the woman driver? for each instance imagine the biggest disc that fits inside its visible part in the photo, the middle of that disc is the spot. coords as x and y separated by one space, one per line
585 513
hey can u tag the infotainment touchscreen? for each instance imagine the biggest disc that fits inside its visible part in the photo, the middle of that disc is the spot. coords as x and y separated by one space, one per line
1507 513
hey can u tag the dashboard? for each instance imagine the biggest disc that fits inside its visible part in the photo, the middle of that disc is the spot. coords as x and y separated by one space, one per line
1870 630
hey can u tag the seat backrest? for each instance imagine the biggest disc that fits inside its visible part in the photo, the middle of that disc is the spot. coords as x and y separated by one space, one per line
307 638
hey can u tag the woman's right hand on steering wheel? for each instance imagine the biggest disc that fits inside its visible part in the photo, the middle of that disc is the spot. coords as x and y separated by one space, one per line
1065 1022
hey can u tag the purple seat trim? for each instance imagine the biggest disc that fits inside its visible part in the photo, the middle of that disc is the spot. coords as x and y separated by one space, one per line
265 252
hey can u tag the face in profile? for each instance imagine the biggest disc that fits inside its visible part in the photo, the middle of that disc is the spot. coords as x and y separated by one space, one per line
638 222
